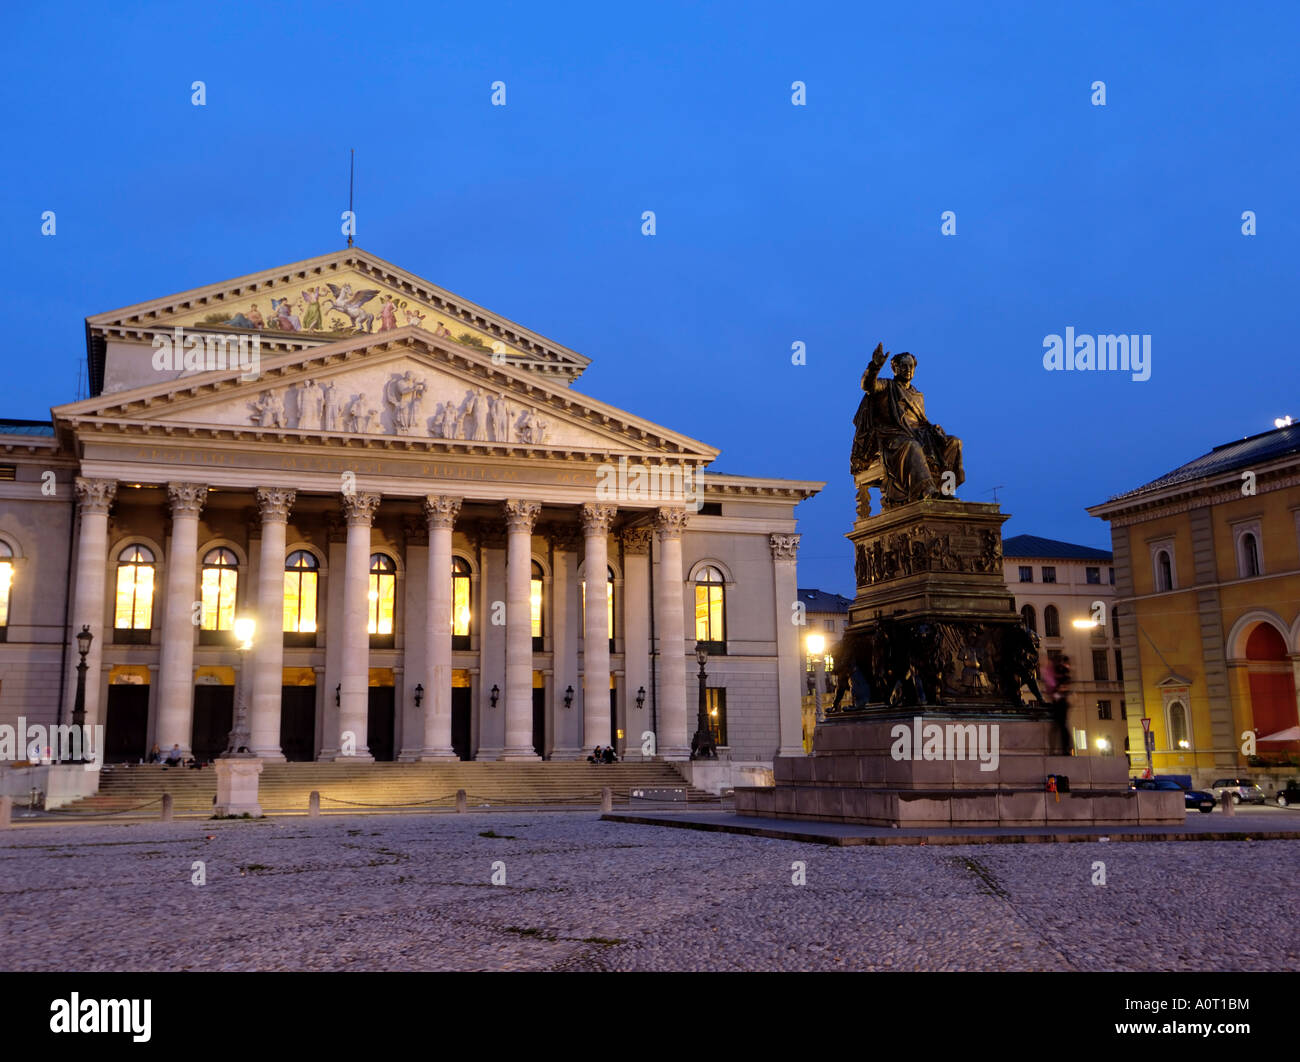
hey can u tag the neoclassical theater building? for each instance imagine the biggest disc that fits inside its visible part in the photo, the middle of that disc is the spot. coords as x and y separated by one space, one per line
410 497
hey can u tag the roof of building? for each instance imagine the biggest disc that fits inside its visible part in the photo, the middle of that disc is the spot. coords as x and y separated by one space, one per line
823 600
1230 456
9 426
1050 549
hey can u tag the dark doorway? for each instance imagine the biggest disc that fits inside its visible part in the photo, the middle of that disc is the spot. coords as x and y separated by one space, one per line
126 722
298 723
379 728
539 720
460 713
214 715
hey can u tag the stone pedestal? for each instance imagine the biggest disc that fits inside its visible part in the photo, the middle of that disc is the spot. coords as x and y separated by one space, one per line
237 780
940 769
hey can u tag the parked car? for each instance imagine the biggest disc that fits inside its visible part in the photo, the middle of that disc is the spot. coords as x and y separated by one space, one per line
1289 795
1238 789
1192 798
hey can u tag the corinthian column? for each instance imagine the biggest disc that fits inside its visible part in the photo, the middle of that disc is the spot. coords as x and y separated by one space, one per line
94 499
636 633
176 658
441 513
673 739
520 518
595 624
268 638
789 661
354 698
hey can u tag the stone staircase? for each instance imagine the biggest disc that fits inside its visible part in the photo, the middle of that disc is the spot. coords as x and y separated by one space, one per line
374 786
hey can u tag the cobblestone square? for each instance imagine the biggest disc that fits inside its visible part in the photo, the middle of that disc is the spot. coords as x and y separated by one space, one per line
416 893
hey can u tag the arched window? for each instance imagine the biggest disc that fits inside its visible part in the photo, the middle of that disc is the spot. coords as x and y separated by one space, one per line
1164 571
1029 618
1249 555
1051 622
1178 738
1114 620
536 590
609 602
461 609
133 609
383 596
301 583
218 584
710 609
6 584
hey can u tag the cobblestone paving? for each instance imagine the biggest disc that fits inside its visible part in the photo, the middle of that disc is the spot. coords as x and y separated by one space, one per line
407 892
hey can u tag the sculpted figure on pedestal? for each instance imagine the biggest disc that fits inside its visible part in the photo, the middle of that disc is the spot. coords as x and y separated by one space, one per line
891 426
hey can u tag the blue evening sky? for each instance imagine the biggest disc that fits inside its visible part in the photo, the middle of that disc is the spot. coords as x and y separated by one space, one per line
776 223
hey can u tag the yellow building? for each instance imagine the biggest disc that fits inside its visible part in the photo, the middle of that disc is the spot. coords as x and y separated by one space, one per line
1207 564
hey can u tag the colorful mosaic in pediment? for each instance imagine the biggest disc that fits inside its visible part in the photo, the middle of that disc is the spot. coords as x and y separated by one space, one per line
348 304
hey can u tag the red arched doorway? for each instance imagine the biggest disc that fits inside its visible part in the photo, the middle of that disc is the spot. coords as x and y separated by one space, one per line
1272 689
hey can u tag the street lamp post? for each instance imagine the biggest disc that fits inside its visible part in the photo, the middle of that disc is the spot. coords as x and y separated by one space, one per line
702 746
84 638
240 735
817 647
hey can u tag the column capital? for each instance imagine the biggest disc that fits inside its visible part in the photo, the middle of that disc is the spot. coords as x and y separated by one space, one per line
636 540
784 547
520 515
95 495
441 510
670 523
359 508
275 503
564 538
596 518
187 498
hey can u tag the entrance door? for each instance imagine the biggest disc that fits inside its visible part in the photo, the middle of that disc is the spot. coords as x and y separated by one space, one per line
214 715
539 720
126 722
298 723
379 729
460 712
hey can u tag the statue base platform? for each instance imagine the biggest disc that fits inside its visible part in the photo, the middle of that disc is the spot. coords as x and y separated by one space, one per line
863 771
237 782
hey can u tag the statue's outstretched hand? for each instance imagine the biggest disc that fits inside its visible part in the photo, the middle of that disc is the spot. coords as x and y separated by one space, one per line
878 356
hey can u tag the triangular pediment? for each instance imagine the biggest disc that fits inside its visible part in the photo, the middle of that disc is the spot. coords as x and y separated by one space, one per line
323 300
406 385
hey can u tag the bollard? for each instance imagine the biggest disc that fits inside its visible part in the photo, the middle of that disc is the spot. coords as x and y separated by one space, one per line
606 799
166 813
6 812
313 804
1228 809
462 802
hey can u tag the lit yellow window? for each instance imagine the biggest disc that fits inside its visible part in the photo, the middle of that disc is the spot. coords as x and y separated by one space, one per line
134 605
220 575
301 572
6 581
609 602
460 607
709 606
535 598
383 593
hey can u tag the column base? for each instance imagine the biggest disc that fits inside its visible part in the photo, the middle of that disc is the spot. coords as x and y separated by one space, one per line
567 755
526 755
356 757
437 756
270 755
675 752
791 750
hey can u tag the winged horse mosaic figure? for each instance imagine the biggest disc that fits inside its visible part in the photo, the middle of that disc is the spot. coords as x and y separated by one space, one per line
349 302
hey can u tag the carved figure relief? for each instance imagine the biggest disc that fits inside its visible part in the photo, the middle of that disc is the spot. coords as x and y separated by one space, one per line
403 394
268 410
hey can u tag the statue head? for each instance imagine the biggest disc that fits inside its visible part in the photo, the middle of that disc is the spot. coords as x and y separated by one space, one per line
904 366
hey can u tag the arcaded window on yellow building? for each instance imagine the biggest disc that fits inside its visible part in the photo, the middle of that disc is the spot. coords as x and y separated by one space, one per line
461 609
710 608
135 580
301 583
383 594
219 581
